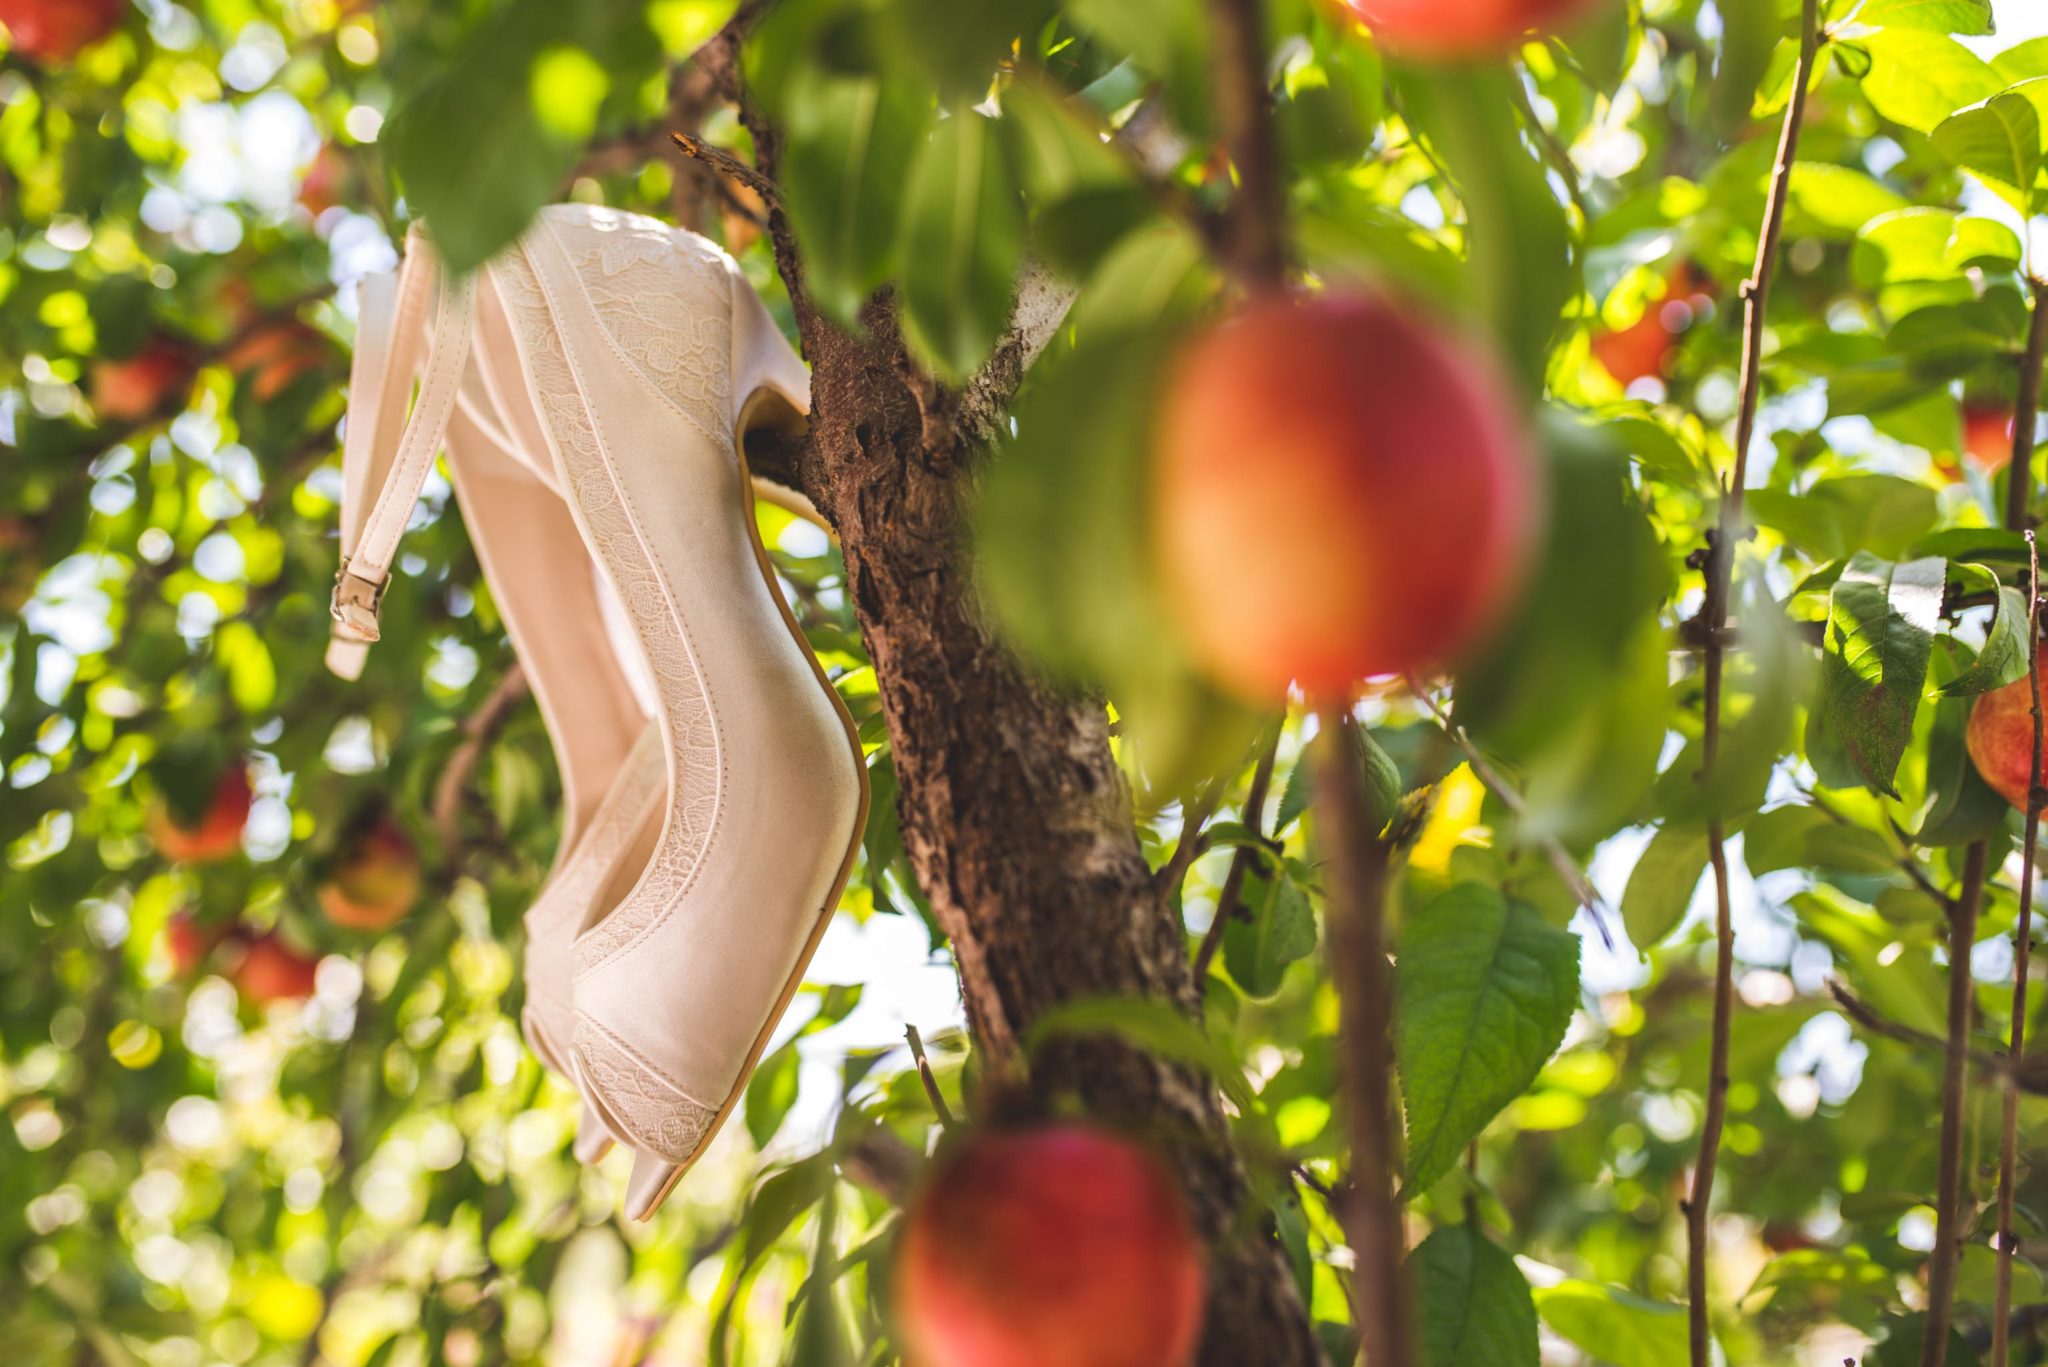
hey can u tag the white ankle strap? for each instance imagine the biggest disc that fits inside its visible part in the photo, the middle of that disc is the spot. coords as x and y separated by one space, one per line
377 457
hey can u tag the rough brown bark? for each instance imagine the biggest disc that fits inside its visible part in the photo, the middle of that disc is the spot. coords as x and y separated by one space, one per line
1014 814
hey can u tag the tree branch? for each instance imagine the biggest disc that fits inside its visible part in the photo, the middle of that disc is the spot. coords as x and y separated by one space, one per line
2008 1128
1257 220
477 732
1941 1262
1359 868
1240 861
726 164
1714 610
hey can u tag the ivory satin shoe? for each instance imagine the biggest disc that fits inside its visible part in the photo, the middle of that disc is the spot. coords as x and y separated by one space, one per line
559 613
641 355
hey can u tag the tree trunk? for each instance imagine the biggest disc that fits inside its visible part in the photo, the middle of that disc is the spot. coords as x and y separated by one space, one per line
1014 814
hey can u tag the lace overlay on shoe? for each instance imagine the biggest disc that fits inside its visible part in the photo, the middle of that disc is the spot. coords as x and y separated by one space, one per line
664 299
697 770
655 1116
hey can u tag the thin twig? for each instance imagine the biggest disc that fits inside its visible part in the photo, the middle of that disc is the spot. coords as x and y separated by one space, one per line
2016 1053
2019 478
1258 245
1714 611
1253 816
1357 861
1948 1201
1193 839
929 1078
453 784
1575 879
726 163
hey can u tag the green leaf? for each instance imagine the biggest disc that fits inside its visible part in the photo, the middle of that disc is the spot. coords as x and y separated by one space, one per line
1881 623
1999 142
771 1093
1519 246
1907 988
1902 1347
963 235
1282 929
1483 991
1613 1326
477 155
1960 805
1660 887
1918 79
1836 518
850 144
2003 659
1838 200
1157 1026
1747 61
1573 688
2023 61
1932 16
1476 1306
1793 836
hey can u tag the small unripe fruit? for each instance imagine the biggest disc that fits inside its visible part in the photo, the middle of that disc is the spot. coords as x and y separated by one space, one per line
218 831
1339 490
55 31
135 387
270 970
1463 28
1060 1245
376 883
2000 736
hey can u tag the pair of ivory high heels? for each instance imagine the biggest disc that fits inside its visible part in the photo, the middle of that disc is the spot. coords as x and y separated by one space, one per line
591 386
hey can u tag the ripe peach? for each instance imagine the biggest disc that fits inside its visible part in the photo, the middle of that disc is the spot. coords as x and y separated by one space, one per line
55 31
376 882
218 831
1987 434
1063 1244
2000 736
270 970
1643 348
191 943
274 355
1463 28
135 387
1339 490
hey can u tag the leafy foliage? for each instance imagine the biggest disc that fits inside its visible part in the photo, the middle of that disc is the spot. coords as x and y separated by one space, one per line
376 1167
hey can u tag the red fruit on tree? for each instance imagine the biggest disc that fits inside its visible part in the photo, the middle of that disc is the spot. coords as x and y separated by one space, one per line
1463 28
2000 736
1987 435
272 356
1643 348
218 831
272 971
191 943
135 387
53 31
1063 1244
1339 490
325 183
376 883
